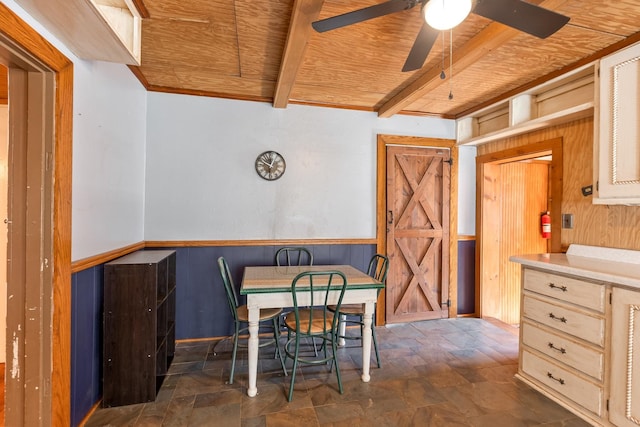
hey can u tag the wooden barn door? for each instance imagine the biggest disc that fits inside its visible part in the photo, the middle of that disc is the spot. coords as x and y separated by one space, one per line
418 191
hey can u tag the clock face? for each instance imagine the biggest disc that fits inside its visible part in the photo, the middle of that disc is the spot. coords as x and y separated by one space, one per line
270 165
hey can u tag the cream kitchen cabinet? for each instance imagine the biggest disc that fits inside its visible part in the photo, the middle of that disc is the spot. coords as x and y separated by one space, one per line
617 129
624 404
562 347
580 331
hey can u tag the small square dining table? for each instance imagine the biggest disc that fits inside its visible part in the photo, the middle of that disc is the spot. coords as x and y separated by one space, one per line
270 287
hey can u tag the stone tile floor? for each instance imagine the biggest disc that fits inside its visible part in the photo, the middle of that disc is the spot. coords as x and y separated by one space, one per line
449 372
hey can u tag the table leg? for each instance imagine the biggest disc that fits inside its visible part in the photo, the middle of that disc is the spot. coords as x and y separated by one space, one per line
366 341
254 317
343 329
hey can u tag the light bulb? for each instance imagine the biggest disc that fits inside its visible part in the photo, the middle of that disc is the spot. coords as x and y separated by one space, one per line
446 14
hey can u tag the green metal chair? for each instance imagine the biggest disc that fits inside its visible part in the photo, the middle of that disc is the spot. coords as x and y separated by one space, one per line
311 318
294 255
241 316
378 269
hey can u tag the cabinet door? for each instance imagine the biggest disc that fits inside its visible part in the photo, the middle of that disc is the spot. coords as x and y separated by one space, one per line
624 405
617 129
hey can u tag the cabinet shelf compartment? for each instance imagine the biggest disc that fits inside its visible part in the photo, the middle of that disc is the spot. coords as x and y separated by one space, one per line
162 323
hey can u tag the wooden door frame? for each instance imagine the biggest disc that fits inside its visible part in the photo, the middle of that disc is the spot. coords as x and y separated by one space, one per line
381 210
21 47
550 146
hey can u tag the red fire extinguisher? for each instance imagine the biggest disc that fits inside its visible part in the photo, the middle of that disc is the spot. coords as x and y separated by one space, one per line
545 224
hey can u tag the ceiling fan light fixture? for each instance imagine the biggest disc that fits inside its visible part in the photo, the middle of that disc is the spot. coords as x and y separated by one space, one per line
446 14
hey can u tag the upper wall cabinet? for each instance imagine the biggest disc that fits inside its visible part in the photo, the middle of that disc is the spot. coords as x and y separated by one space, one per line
104 30
561 100
617 129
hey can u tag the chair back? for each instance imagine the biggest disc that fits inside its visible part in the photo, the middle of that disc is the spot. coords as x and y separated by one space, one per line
314 287
230 289
295 255
378 267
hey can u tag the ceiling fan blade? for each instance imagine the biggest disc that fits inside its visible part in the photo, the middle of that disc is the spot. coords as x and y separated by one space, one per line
360 15
523 16
421 48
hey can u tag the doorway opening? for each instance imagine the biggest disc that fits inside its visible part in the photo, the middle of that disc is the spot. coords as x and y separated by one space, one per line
515 187
38 221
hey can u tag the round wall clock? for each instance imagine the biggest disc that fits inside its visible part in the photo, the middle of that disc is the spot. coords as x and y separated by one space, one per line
270 165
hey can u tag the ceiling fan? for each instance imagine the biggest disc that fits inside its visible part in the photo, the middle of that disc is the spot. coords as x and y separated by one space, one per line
446 14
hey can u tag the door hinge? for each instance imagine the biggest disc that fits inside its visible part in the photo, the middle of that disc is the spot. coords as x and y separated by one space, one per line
607 404
610 297
448 303
597 185
450 161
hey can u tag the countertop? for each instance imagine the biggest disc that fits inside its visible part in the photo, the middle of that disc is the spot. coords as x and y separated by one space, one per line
613 265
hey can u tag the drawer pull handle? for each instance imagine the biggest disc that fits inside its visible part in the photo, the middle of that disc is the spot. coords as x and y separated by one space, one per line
560 380
560 319
554 286
553 347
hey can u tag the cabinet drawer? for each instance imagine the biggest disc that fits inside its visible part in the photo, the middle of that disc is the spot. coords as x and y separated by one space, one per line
565 319
567 351
583 392
574 291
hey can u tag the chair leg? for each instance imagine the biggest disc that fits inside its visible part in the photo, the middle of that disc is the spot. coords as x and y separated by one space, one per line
375 345
332 361
324 346
276 334
276 326
295 367
334 347
235 351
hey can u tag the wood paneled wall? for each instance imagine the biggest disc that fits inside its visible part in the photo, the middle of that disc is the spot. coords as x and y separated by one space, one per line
524 191
514 196
611 226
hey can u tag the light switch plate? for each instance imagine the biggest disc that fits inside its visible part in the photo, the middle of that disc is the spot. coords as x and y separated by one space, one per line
567 220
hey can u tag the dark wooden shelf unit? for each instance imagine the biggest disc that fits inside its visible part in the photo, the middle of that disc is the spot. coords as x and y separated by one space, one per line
139 325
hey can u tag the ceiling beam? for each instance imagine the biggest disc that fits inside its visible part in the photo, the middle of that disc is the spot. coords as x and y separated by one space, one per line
304 13
490 38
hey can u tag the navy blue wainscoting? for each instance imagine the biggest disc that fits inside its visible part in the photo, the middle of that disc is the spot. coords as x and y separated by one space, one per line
466 276
202 309
86 341
201 306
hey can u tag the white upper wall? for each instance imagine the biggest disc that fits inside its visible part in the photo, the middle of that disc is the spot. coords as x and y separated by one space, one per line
201 182
109 133
467 190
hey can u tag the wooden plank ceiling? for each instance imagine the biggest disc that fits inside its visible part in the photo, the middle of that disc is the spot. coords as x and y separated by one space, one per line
266 50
